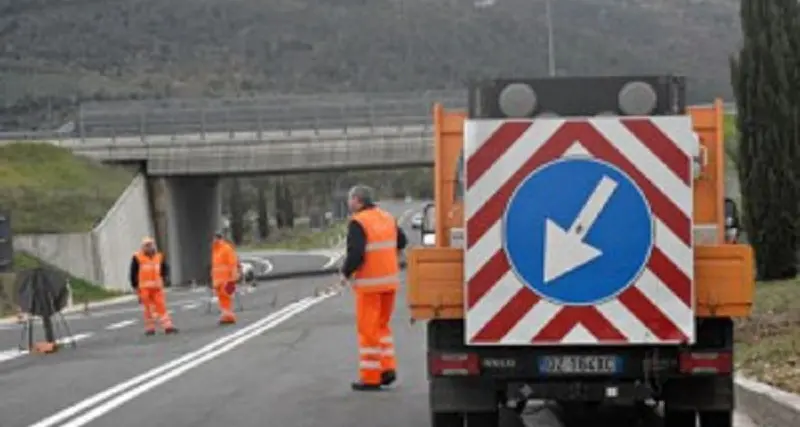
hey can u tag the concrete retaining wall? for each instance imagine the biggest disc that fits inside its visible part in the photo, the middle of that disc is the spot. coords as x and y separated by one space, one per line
102 255
120 233
72 252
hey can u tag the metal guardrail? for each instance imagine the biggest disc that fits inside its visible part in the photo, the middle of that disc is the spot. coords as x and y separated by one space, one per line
287 114
268 114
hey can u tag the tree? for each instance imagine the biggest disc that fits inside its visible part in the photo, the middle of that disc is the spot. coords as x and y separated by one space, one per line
237 210
280 217
263 214
766 82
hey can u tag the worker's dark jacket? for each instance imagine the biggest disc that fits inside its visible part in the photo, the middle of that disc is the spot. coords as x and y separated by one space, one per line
134 272
357 244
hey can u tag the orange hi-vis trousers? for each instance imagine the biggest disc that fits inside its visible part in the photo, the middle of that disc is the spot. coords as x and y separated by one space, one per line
224 292
155 308
375 342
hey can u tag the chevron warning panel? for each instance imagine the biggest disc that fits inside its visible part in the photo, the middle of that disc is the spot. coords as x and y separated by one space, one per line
579 231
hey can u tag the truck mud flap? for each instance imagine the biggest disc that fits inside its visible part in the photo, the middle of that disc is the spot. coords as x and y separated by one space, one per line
462 395
712 393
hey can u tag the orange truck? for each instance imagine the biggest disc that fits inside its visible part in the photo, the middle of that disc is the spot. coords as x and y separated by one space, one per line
579 251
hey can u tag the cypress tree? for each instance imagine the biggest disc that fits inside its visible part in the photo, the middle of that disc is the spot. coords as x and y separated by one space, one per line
766 83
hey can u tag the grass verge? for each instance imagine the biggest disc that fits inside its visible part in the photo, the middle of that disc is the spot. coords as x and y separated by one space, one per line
47 189
82 290
768 343
302 238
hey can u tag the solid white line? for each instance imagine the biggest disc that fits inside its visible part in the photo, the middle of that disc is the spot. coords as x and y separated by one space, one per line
136 391
160 370
120 325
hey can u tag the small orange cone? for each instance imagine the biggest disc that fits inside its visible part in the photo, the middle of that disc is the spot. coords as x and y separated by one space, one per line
45 347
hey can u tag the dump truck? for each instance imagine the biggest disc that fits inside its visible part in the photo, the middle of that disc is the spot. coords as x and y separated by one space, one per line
576 253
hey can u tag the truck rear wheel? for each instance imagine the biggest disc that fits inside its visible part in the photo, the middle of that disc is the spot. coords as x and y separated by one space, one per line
680 418
483 419
447 419
716 419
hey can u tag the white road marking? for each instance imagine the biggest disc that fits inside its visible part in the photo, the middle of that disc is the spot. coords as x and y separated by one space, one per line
333 259
15 353
268 266
132 388
120 325
404 216
190 306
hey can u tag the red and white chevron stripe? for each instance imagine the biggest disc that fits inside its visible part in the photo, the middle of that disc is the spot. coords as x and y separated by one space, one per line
656 152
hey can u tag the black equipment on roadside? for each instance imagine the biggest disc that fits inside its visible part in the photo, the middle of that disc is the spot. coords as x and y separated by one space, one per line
43 292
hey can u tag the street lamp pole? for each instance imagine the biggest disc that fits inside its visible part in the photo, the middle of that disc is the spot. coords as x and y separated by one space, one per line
551 59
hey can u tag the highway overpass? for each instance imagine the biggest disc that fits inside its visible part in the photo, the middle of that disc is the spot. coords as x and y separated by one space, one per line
185 146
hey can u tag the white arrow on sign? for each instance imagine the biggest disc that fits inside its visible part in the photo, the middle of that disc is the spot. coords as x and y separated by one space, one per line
565 250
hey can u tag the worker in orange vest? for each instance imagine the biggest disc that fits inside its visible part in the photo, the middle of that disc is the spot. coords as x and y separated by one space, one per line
148 274
371 266
224 275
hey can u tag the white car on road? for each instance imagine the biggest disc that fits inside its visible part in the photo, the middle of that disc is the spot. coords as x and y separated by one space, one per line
248 272
416 220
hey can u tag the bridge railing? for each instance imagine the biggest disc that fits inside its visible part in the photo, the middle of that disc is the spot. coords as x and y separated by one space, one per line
267 115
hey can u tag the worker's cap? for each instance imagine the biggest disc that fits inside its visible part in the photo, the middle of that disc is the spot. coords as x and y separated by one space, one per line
148 241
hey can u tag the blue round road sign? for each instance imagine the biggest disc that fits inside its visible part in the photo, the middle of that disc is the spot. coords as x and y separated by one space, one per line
578 231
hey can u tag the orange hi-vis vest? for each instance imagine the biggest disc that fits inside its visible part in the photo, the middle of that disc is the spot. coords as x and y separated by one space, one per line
379 270
224 263
150 270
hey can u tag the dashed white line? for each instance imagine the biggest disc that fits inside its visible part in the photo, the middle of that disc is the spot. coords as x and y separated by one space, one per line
120 325
190 306
15 353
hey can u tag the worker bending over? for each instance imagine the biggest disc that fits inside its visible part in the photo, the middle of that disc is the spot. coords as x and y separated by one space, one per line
224 275
373 240
148 274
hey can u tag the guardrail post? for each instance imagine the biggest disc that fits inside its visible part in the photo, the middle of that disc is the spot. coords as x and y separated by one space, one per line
81 130
260 124
203 122
142 125
228 123
343 109
371 117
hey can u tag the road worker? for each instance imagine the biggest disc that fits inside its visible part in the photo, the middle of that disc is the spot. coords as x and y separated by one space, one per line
148 274
224 275
371 266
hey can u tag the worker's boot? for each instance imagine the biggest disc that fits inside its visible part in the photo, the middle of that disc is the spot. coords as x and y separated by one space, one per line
171 330
361 386
388 377
149 332
227 320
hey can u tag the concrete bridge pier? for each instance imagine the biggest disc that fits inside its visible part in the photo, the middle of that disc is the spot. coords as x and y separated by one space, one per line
190 210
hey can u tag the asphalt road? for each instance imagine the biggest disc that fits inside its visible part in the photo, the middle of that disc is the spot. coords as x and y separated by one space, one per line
288 362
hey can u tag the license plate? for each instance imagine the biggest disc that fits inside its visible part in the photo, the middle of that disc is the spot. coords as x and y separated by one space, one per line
584 364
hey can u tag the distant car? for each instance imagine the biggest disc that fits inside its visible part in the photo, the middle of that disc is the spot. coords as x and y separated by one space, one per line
248 272
416 220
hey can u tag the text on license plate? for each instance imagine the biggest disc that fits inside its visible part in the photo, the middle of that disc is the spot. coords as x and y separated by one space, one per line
583 364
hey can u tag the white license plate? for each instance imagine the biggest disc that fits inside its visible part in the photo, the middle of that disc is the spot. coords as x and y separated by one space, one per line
584 364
